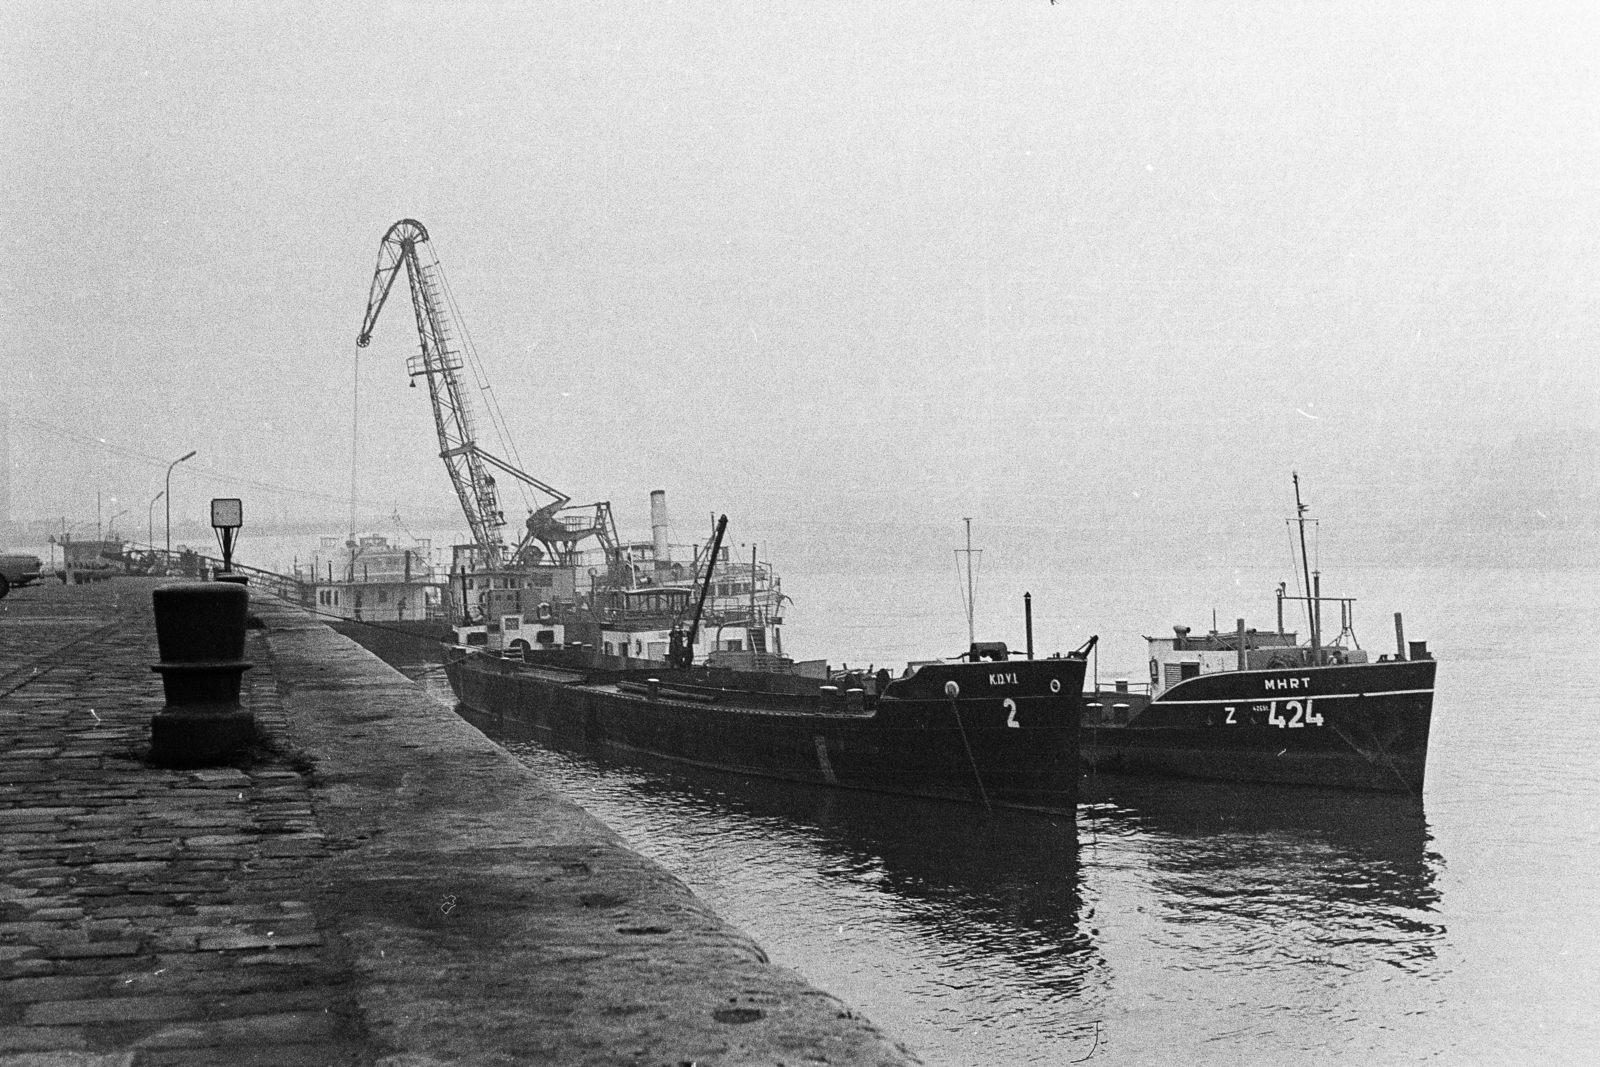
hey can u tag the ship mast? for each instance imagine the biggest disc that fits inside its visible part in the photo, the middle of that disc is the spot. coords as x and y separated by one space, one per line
1312 601
969 551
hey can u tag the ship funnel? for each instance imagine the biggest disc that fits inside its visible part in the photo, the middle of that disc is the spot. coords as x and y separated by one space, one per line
658 523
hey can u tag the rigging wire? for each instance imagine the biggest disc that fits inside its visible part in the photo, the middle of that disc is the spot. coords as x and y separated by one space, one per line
1294 569
968 602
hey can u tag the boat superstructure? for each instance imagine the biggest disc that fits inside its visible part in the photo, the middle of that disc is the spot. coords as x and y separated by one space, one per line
369 579
1263 706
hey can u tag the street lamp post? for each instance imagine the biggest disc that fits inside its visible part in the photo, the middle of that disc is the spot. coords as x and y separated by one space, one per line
150 521
111 527
168 491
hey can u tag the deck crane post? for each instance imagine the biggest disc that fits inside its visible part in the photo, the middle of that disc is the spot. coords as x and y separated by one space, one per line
681 652
471 467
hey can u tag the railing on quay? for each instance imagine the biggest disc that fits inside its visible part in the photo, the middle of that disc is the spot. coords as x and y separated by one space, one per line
190 564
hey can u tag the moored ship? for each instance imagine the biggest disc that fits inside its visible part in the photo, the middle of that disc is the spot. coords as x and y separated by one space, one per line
985 729
1259 706
995 731
1352 724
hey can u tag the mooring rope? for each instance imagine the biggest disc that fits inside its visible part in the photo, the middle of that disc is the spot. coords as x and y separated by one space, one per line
1381 750
952 690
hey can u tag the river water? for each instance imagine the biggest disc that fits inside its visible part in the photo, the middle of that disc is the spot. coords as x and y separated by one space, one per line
1182 922
1179 922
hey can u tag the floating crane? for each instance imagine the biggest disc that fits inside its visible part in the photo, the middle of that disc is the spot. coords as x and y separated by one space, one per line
555 526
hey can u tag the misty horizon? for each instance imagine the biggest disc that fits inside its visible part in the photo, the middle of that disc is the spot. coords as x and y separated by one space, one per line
1094 277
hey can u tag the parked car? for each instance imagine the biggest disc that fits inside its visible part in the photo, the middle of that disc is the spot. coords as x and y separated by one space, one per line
17 571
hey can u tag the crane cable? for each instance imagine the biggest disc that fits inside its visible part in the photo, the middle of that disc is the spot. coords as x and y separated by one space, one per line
355 436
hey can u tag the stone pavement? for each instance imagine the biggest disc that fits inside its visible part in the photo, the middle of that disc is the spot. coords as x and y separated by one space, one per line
147 916
376 883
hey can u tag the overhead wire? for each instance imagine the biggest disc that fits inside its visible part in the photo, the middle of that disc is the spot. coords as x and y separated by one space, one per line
193 469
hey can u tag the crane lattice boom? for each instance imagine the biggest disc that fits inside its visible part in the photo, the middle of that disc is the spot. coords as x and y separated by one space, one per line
440 362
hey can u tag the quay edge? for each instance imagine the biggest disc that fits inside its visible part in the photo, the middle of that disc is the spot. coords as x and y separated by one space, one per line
485 912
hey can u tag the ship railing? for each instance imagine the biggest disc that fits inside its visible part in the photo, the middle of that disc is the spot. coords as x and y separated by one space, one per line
1121 685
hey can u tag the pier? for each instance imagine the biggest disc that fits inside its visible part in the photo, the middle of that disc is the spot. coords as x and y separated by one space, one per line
375 882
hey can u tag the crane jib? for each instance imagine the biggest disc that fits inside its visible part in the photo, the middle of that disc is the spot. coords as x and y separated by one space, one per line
406 245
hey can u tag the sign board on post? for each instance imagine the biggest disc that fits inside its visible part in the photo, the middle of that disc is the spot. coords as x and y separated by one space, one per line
227 515
227 512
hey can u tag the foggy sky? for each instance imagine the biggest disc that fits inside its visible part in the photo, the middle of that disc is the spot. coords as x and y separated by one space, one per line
1093 273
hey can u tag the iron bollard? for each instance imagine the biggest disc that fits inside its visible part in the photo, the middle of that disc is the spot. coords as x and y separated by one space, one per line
200 629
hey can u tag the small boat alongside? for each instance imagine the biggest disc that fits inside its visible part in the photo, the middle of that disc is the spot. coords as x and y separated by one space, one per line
1259 706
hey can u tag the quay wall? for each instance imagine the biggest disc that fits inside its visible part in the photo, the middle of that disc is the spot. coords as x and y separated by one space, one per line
484 909
378 883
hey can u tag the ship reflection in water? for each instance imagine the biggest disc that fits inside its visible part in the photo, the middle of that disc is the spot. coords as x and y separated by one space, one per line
1277 876
1176 921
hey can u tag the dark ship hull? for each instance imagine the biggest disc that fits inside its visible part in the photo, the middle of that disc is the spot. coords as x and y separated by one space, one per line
1349 726
1007 738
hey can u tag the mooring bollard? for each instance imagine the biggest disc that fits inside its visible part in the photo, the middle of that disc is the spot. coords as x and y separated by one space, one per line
200 629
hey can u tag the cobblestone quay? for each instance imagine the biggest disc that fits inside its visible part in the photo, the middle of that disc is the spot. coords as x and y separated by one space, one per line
375 883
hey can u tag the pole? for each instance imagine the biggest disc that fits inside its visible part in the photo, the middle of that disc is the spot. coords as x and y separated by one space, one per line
1399 637
150 521
168 492
1244 658
1316 618
1027 614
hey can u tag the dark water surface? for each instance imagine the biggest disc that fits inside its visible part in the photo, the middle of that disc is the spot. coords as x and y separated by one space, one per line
1189 922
